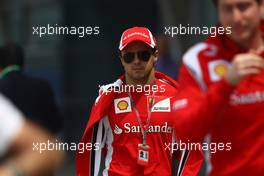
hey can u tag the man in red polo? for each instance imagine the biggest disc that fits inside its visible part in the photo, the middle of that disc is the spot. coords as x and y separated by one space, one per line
131 123
239 120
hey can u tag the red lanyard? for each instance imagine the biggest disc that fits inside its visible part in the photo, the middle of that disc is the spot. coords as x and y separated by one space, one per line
144 129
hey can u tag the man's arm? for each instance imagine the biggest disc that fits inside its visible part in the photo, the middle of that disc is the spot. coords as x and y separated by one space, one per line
17 138
196 111
27 161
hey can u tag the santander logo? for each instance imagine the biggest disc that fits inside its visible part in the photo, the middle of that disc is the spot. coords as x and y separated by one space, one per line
249 98
128 128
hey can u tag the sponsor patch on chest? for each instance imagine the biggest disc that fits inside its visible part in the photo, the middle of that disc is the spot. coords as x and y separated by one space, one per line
160 104
217 69
122 105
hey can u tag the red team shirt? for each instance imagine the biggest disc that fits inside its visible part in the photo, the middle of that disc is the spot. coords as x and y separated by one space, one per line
117 131
238 119
123 133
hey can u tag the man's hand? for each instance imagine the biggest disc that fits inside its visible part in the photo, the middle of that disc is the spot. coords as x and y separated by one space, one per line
27 161
244 65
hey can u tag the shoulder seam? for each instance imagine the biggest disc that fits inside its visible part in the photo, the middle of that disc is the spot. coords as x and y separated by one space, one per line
192 63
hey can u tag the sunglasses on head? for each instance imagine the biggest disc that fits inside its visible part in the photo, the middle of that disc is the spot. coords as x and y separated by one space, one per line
141 55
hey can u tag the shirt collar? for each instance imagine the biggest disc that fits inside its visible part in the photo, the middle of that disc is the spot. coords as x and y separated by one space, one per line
9 69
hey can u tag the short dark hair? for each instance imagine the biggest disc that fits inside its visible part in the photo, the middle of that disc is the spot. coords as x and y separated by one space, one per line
11 54
216 2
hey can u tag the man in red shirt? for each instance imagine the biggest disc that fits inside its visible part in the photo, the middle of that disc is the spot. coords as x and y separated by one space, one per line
236 114
131 120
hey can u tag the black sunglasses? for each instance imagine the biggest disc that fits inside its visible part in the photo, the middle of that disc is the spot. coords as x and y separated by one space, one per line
141 55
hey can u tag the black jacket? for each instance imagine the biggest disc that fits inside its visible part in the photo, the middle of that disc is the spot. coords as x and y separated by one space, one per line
34 97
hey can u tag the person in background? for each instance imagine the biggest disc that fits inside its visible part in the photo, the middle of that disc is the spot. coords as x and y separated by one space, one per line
33 96
17 156
238 57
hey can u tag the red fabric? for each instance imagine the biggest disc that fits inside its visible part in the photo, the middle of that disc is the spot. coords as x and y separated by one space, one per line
137 34
97 112
228 114
102 108
197 116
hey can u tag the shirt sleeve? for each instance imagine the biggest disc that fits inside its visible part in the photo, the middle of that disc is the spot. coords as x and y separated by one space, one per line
196 109
11 122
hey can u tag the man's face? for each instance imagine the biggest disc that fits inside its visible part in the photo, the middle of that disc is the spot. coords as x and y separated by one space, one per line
138 69
242 15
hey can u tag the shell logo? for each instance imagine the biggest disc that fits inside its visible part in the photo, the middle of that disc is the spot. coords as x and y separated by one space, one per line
220 69
122 105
